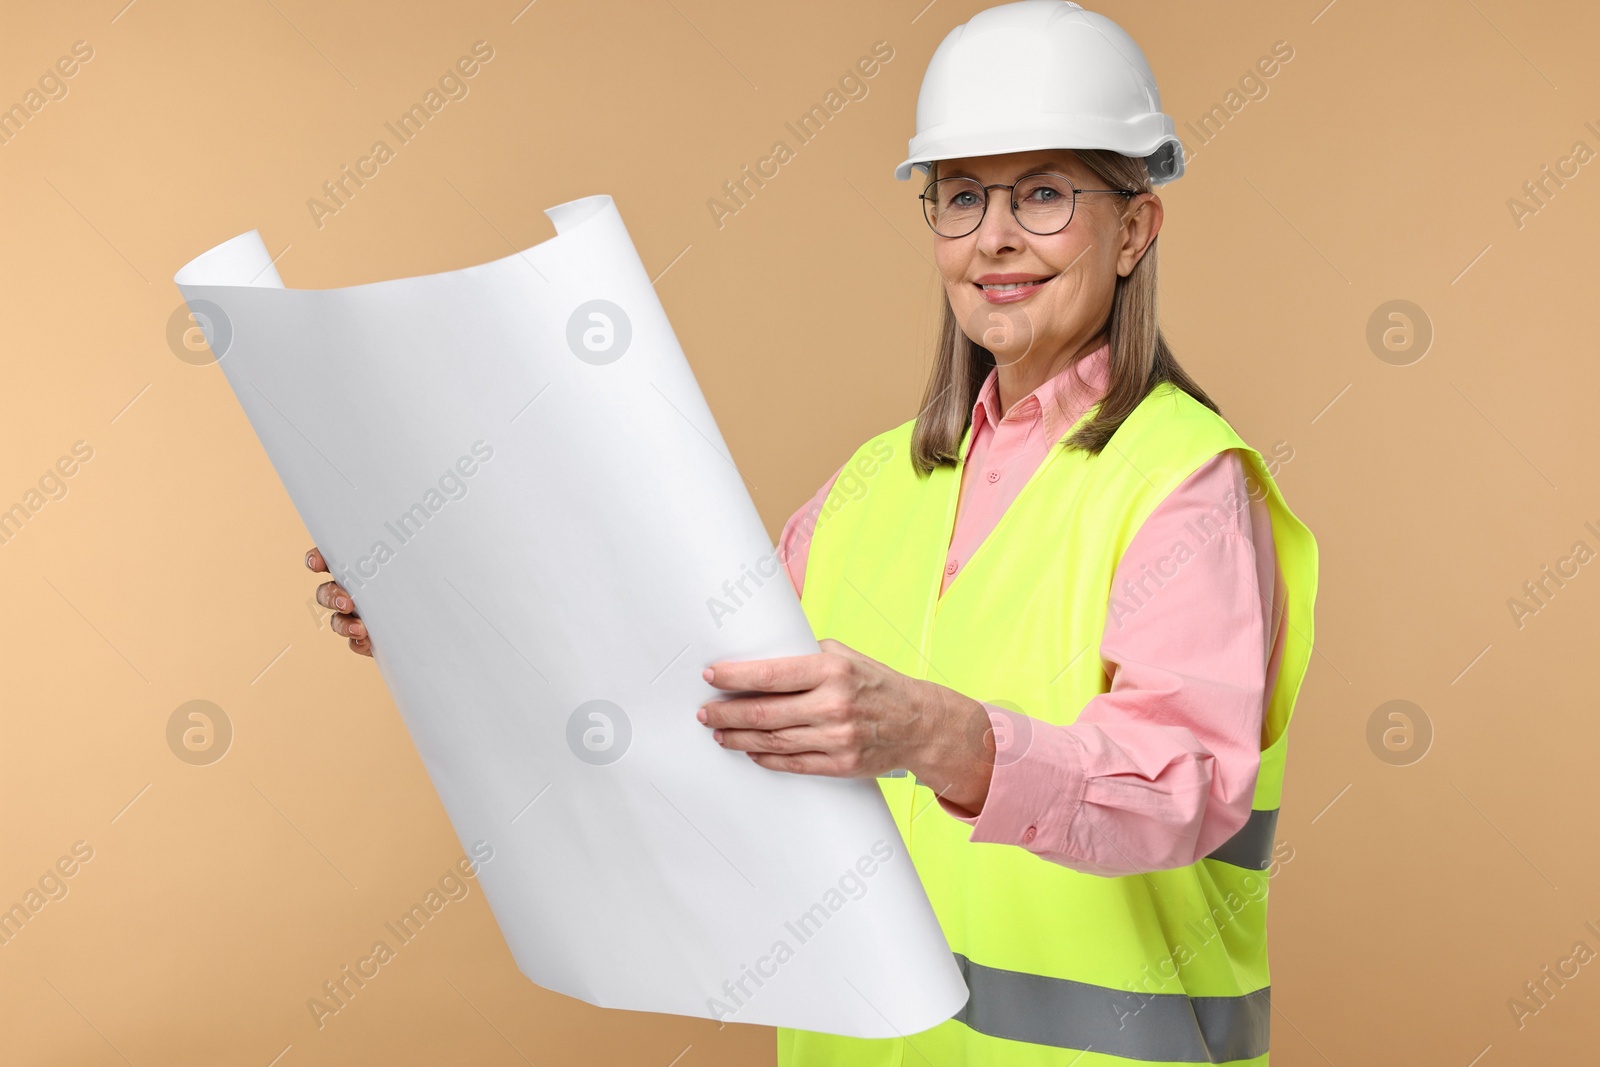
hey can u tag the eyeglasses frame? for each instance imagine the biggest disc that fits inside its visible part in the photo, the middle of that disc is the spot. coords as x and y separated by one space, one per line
923 196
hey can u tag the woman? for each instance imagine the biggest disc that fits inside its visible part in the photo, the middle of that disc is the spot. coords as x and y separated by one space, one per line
1095 832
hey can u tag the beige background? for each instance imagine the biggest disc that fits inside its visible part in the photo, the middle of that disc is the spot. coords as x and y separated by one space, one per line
1377 167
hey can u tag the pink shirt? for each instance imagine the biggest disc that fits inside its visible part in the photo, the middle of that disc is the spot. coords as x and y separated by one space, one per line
1160 770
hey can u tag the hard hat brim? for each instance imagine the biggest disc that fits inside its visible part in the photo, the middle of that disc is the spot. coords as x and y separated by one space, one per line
1166 156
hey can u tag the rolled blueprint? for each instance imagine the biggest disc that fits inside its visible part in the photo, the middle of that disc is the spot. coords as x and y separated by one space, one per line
512 469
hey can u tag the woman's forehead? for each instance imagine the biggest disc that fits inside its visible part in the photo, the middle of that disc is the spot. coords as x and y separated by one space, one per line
1008 166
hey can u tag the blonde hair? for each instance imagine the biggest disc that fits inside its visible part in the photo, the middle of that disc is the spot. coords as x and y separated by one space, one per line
1140 357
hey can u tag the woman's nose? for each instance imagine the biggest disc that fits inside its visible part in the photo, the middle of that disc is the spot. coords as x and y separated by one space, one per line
999 230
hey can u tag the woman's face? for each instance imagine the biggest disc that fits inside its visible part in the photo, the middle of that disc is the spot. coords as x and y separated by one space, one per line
1079 265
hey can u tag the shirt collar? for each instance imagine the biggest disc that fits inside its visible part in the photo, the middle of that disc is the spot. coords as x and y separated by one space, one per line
1038 406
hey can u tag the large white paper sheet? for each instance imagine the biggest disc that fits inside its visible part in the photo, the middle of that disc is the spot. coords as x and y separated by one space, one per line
512 468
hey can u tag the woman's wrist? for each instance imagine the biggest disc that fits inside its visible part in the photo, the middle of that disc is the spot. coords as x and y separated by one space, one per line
956 758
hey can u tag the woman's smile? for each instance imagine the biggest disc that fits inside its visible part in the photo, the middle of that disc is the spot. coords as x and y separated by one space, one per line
1010 288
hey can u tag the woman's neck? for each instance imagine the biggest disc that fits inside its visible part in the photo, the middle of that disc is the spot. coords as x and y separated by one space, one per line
1017 380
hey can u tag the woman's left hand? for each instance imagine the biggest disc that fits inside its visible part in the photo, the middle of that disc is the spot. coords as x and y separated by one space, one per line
845 715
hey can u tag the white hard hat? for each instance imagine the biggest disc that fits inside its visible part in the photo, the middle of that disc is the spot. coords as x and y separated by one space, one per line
1041 74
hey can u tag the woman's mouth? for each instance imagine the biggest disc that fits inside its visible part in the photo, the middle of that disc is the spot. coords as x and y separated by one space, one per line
1010 288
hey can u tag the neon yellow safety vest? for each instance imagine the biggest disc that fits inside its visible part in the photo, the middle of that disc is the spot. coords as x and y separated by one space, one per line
1167 967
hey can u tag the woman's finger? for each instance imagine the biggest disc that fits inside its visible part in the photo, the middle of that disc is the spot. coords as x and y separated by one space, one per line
768 712
344 621
790 739
783 674
348 626
801 763
333 595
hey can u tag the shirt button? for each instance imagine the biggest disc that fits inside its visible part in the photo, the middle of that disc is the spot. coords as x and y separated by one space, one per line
1029 834
994 476
950 568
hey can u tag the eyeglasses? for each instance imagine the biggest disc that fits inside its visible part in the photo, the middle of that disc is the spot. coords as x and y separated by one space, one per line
1041 203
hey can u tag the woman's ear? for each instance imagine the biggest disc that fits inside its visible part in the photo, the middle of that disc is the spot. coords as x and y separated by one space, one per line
1141 222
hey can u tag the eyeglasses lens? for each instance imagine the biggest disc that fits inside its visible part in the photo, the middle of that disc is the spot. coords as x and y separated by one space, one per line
955 206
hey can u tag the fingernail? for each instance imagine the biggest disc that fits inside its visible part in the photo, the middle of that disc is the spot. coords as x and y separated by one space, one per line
716 735
708 674
701 715
357 630
344 605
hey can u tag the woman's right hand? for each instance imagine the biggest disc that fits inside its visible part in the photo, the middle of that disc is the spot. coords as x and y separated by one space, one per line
344 620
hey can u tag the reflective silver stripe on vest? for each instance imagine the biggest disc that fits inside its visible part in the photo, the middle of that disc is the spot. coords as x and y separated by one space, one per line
1251 847
1168 1027
901 773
